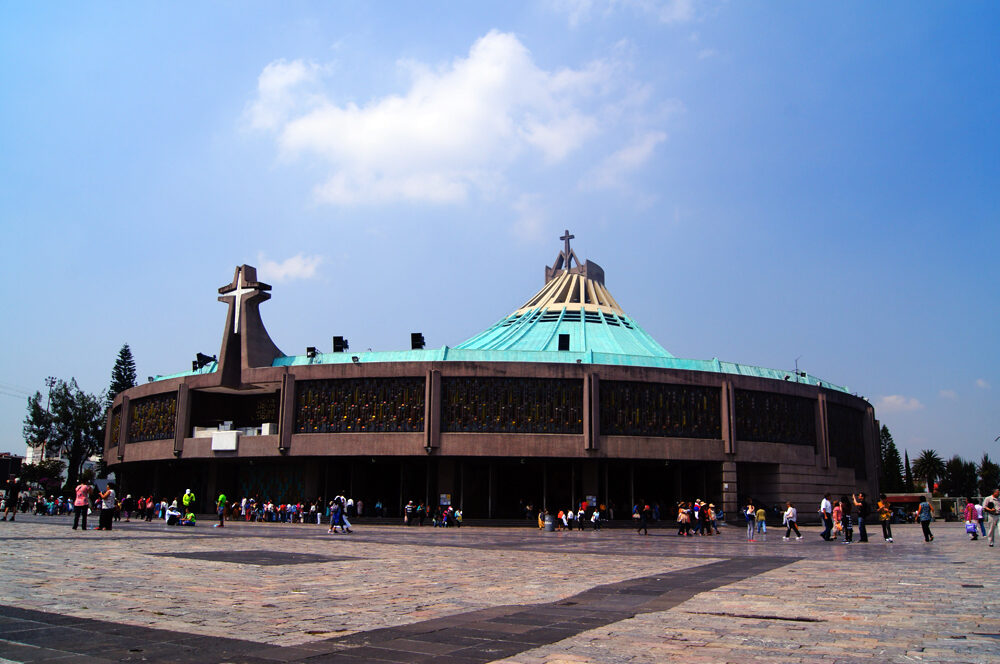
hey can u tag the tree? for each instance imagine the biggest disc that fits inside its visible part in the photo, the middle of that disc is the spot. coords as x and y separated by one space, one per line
122 375
989 475
929 467
891 478
908 473
959 477
73 427
47 473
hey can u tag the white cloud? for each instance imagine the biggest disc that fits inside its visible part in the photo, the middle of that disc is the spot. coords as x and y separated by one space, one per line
951 395
669 12
612 172
982 384
457 129
706 53
298 266
282 88
672 11
897 403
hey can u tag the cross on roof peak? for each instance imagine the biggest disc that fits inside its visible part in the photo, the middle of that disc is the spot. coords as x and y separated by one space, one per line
244 283
566 237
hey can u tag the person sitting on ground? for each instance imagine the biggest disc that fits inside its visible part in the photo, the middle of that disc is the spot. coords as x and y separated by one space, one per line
188 519
173 514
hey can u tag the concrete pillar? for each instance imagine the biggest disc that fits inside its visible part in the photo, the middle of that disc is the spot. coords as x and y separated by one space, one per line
822 432
591 411
286 412
678 482
728 405
730 499
590 479
182 418
432 410
489 507
126 425
207 503
446 478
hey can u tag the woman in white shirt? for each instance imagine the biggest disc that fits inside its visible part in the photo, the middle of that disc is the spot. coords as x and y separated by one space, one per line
791 516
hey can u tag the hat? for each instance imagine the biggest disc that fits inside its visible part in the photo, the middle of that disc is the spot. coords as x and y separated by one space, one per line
712 505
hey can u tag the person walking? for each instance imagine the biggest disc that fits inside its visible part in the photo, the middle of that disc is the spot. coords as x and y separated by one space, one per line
643 521
979 517
838 520
971 527
826 511
791 521
925 514
885 517
13 493
863 510
991 508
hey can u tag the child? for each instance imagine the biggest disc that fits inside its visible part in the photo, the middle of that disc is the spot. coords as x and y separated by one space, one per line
838 519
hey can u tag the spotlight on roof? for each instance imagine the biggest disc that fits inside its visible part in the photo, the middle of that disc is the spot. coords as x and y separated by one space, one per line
149 379
787 376
201 360
340 345
416 341
355 359
310 352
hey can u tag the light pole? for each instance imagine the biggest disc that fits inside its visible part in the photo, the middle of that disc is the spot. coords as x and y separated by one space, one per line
50 382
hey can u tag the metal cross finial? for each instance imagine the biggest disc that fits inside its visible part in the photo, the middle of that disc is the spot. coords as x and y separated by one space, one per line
566 238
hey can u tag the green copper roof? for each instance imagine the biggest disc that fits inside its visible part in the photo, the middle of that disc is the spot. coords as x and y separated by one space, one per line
539 330
447 354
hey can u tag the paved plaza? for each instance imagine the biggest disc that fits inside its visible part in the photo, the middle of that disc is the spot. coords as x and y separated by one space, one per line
268 593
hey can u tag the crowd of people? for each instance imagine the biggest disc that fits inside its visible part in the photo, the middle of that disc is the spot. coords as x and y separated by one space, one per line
840 517
445 516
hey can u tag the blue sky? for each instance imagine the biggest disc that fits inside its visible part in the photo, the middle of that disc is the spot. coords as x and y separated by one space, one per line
760 181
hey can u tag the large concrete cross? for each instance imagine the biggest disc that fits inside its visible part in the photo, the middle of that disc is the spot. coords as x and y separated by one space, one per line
237 290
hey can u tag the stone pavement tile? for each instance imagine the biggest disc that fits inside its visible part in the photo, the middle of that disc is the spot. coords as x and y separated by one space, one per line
868 603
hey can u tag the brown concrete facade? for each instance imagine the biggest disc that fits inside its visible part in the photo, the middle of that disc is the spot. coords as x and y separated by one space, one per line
770 472
726 468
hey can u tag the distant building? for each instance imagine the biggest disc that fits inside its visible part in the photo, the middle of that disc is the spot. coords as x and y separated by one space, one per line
565 399
10 464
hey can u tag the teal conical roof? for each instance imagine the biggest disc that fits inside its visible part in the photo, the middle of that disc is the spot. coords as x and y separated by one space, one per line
575 302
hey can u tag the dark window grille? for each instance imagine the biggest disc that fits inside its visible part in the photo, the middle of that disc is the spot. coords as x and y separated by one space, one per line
766 417
632 408
152 418
359 405
512 405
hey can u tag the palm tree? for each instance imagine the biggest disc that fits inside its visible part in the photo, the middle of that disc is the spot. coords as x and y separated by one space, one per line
928 466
